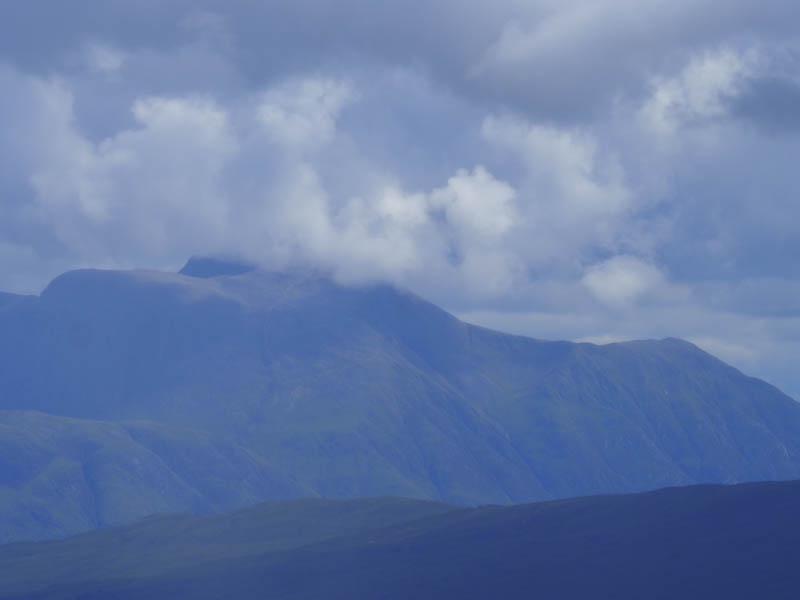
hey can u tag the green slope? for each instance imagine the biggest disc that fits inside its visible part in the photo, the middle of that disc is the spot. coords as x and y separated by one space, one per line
695 542
59 476
165 543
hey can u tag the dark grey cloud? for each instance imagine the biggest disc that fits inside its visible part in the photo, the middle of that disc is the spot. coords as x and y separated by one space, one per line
772 103
591 170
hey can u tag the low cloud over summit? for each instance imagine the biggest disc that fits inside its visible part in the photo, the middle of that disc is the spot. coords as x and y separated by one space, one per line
585 170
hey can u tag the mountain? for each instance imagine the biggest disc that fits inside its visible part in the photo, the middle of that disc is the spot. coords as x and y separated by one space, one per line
9 299
168 542
699 542
60 475
369 390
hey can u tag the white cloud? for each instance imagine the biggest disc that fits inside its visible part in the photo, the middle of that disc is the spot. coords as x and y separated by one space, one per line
182 181
571 196
104 58
700 92
476 204
399 236
565 165
518 45
302 113
622 280
151 189
405 210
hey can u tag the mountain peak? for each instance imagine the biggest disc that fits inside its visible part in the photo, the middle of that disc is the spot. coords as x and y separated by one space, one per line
361 390
209 266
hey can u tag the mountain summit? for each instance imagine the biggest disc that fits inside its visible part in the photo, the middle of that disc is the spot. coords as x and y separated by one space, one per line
206 266
309 387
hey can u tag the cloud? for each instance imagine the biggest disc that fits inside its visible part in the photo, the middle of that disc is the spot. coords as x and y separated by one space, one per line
573 61
302 113
573 199
592 170
104 58
455 231
193 175
700 93
477 205
150 188
772 102
622 280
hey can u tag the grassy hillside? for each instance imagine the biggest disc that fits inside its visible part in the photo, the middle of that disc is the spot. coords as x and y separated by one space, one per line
165 543
59 476
695 542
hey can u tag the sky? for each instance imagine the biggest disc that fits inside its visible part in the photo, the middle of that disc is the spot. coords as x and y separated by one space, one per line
596 171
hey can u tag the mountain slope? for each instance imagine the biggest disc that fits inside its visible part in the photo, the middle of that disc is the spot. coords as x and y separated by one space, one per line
163 543
59 476
696 542
363 391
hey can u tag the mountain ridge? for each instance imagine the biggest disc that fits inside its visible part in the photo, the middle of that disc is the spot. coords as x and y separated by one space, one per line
368 390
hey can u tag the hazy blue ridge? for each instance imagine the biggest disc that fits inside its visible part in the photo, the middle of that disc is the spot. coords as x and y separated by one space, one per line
360 391
701 542
7 300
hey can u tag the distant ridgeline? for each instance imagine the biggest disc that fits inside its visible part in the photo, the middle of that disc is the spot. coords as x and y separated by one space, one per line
128 393
205 267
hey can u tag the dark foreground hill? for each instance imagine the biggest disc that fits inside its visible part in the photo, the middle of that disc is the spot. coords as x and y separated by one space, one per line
696 542
346 392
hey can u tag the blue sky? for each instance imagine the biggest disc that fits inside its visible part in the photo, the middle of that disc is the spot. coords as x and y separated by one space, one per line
599 170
